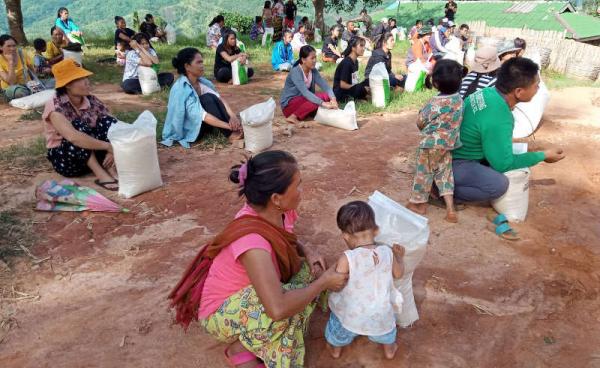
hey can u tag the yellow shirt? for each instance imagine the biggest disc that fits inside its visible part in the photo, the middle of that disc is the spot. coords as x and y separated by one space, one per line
18 69
52 50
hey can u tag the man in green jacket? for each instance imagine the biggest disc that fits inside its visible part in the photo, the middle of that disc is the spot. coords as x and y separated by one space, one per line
486 133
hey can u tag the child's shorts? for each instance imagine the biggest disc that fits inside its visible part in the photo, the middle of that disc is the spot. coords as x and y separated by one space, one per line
338 336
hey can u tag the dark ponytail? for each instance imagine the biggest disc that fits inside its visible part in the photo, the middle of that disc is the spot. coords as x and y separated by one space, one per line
219 18
354 41
184 56
382 39
268 173
304 53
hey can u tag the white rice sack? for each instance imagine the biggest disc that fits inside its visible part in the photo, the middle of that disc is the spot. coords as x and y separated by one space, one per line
343 119
528 115
148 80
257 122
379 83
77 56
136 155
33 101
267 37
171 34
415 77
398 225
515 202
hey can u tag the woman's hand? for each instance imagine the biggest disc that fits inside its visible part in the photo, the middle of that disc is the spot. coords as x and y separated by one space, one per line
329 105
334 102
235 123
243 58
134 45
109 161
109 148
333 280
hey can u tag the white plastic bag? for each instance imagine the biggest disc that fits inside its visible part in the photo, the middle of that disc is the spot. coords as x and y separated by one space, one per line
171 34
136 156
77 56
33 101
318 37
267 37
470 56
415 79
515 202
239 73
257 121
528 115
398 225
343 119
284 67
379 82
148 80
454 47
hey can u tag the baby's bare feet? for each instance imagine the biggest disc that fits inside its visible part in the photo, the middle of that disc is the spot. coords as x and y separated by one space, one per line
335 351
390 350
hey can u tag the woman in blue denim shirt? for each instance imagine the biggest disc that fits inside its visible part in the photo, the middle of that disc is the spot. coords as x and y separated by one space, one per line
195 107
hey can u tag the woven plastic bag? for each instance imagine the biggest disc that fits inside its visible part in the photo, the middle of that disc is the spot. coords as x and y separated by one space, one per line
136 155
77 56
379 82
148 80
343 119
257 122
514 204
33 101
415 80
398 225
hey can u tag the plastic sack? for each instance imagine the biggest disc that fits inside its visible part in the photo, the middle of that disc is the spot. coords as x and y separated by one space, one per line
257 122
318 37
148 80
343 45
267 37
455 51
398 225
528 115
77 56
136 155
415 80
470 56
33 101
171 34
515 202
343 119
284 67
239 73
379 82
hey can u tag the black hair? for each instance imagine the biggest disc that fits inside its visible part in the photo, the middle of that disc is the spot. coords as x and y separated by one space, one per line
184 56
304 53
418 21
60 10
447 76
148 17
39 44
382 39
355 217
61 91
364 10
218 19
430 22
392 20
267 5
333 28
516 73
520 43
269 172
118 18
304 19
52 30
138 37
354 41
464 26
4 38
258 19
226 35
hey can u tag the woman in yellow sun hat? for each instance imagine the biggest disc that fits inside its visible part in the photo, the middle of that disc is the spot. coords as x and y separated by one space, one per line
76 125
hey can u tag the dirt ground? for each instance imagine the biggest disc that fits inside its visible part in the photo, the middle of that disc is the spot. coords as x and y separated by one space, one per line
483 302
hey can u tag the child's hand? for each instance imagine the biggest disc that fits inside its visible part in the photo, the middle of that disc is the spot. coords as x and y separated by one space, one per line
398 251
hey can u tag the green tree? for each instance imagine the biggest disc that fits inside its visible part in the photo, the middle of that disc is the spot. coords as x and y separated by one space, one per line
14 16
335 5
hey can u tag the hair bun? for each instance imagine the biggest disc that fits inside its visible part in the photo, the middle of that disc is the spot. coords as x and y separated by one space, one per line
234 174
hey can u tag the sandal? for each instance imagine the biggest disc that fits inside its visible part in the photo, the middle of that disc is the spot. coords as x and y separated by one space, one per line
105 184
502 227
240 358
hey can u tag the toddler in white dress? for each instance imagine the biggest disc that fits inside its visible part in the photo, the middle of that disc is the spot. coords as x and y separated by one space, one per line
365 307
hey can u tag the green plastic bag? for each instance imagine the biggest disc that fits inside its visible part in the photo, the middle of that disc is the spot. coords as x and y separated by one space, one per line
239 73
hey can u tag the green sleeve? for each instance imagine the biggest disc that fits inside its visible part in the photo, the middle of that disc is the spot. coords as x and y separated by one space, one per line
497 147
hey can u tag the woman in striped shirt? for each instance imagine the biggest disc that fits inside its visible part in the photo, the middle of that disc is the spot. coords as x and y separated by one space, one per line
483 71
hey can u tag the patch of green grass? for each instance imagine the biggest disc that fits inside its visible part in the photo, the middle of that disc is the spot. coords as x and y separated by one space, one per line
400 102
16 234
31 115
556 80
213 140
24 155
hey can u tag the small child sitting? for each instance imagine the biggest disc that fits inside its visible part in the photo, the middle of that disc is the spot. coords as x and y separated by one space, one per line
257 29
439 122
43 70
365 307
120 52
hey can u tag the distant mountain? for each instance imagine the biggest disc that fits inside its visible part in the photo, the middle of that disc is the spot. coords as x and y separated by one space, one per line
190 17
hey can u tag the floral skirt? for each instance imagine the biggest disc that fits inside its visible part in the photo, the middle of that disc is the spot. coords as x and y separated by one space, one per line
277 343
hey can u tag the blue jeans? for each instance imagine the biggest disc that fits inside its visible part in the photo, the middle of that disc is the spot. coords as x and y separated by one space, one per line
336 335
475 182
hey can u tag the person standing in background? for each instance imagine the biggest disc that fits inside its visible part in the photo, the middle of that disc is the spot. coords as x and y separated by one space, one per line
450 9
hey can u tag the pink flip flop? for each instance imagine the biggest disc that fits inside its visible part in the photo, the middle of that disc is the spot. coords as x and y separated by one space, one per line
240 358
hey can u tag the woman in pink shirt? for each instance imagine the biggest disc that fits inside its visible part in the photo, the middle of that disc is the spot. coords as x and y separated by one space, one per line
259 294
